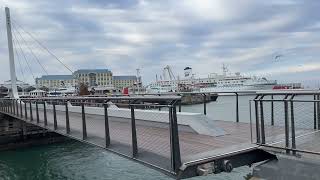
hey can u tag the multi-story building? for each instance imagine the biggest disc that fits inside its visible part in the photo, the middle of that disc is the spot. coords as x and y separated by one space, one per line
56 81
101 78
124 81
94 77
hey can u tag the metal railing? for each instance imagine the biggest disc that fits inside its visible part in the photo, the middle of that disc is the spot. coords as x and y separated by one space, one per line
296 115
36 111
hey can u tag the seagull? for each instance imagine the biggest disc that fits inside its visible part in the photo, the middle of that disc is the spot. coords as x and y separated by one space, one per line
278 56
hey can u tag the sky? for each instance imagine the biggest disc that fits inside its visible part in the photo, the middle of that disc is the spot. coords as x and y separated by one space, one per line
123 35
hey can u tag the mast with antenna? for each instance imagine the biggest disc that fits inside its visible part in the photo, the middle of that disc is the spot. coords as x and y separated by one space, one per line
13 77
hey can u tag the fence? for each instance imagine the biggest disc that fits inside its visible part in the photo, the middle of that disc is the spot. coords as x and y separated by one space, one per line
288 121
148 137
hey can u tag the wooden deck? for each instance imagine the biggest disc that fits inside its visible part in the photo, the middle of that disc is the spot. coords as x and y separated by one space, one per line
154 142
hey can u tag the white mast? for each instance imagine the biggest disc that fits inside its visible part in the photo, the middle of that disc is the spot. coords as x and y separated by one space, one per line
14 89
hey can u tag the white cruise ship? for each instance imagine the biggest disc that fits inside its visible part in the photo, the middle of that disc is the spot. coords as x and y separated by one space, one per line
213 83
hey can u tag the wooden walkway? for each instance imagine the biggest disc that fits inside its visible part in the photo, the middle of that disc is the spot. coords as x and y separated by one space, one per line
154 142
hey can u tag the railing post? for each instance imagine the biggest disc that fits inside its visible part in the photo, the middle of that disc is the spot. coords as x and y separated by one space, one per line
133 133
237 107
17 107
14 106
179 106
257 119
272 112
21 114
174 140
25 110
45 114
286 118
318 111
55 124
67 118
31 116
263 135
204 104
106 125
293 133
37 112
314 113
84 126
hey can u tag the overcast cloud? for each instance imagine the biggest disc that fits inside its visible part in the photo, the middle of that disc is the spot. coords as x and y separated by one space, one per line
123 35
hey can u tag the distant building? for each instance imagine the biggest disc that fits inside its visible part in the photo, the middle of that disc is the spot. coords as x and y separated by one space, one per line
20 84
94 77
56 81
124 81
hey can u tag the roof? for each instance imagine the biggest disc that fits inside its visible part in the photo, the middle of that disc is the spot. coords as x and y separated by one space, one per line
55 77
124 78
87 71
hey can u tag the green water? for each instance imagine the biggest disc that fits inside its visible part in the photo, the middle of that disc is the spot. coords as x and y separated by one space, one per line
76 161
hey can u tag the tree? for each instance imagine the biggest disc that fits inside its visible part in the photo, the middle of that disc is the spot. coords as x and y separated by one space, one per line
30 88
3 89
83 89
44 88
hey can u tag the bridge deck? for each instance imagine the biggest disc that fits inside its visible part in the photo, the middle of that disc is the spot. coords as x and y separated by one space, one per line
153 142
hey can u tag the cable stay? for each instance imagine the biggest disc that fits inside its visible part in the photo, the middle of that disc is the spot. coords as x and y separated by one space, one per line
25 42
24 56
18 58
41 45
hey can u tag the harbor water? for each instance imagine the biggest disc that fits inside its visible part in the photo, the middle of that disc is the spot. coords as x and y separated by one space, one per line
75 160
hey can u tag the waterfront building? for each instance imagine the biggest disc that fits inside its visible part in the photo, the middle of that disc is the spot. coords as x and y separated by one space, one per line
56 81
124 81
94 77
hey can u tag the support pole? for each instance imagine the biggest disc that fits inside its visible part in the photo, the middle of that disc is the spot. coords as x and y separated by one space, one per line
293 132
25 111
13 77
45 114
21 114
31 116
106 126
314 113
286 125
263 135
37 112
67 118
257 119
272 112
237 107
174 140
133 133
318 111
84 126
55 124
204 104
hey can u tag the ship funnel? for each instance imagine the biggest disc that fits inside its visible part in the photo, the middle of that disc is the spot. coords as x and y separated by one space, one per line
187 72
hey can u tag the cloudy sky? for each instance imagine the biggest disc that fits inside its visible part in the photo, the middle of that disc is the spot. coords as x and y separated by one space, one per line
123 35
